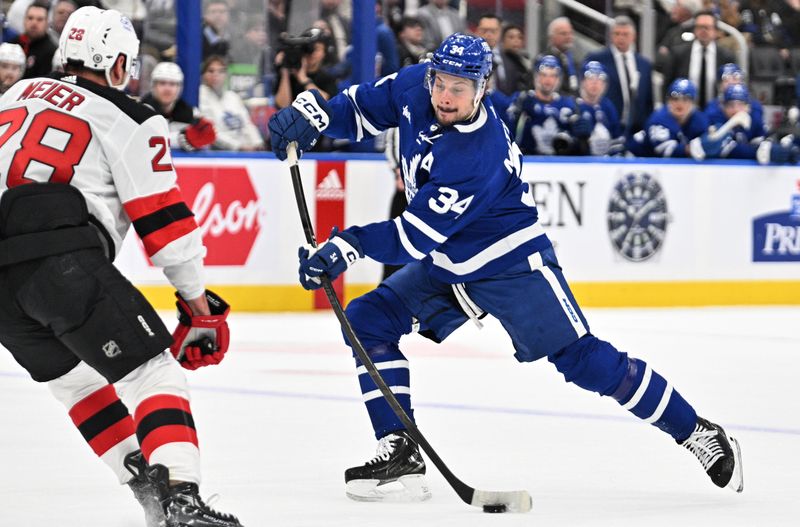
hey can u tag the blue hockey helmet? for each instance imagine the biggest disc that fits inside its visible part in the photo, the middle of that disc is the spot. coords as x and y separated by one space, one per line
736 92
547 62
594 69
731 71
465 56
682 88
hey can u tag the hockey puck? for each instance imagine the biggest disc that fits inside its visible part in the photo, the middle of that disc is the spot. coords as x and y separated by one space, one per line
500 507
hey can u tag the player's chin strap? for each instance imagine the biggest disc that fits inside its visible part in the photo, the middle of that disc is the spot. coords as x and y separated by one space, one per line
469 307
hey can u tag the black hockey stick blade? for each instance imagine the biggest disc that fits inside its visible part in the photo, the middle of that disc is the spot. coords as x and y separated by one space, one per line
513 501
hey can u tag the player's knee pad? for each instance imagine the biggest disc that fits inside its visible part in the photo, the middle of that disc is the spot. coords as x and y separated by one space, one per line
592 364
74 386
161 375
378 317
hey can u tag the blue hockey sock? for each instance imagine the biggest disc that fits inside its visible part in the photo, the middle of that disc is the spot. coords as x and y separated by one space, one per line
596 365
393 367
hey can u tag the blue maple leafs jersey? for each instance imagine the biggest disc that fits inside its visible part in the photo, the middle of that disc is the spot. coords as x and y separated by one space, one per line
663 136
606 127
469 215
535 122
745 142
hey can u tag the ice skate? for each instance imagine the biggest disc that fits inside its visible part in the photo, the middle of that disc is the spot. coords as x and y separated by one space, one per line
396 473
144 490
719 454
183 506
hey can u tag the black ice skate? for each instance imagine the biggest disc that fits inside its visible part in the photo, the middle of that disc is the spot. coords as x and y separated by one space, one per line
396 473
182 504
719 454
144 490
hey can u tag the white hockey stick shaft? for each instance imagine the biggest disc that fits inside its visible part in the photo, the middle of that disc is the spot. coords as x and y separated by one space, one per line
739 119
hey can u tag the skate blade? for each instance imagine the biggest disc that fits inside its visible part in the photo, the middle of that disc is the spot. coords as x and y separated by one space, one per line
409 488
737 479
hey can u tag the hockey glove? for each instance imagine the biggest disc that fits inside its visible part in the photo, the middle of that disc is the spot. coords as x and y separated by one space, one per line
705 147
332 258
582 127
301 122
197 135
775 153
201 340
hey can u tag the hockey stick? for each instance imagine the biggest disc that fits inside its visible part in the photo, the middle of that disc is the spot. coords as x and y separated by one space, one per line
742 119
490 501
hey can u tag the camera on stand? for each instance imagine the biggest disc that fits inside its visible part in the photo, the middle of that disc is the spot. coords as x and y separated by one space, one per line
294 48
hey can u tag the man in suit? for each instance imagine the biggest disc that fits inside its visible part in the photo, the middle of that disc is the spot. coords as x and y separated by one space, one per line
630 76
560 40
700 59
440 21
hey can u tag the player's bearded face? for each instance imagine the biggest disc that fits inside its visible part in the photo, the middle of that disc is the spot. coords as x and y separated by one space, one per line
547 80
453 98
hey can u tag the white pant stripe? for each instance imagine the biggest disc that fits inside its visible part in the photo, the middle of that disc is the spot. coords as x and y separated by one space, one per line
648 372
662 405
388 365
535 261
375 394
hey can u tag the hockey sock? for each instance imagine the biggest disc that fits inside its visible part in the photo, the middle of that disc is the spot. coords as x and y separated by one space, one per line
163 417
596 365
101 418
393 367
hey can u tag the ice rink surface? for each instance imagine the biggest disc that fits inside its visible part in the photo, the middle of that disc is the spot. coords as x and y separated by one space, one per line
281 419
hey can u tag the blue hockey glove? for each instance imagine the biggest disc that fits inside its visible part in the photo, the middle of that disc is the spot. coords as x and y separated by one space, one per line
704 146
582 127
302 122
332 258
775 153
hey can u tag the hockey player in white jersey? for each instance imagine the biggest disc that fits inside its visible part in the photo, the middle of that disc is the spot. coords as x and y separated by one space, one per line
80 162
472 245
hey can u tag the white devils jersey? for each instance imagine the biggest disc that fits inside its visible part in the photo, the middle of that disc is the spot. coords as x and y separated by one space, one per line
64 129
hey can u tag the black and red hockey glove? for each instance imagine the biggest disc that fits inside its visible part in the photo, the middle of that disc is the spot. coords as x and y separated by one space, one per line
201 340
197 135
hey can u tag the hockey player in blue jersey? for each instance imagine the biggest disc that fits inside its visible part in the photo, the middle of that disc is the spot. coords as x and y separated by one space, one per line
472 245
668 132
730 74
606 137
544 122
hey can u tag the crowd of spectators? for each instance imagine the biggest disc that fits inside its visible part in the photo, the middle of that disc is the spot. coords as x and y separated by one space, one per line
604 102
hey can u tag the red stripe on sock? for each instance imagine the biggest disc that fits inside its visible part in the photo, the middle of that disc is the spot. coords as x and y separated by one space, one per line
112 436
167 434
160 402
92 404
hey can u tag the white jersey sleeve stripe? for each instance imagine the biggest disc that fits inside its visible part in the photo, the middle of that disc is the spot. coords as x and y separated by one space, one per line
362 122
423 227
407 245
494 251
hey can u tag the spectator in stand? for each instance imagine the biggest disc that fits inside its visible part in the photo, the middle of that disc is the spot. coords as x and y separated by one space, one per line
39 48
411 41
158 38
542 121
730 74
763 24
671 128
12 65
630 76
699 60
307 74
440 21
58 17
216 35
516 65
226 110
560 40
339 25
250 47
9 33
387 61
681 11
606 137
489 29
187 129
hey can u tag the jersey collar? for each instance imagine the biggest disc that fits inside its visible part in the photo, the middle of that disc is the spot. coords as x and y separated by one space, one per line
479 121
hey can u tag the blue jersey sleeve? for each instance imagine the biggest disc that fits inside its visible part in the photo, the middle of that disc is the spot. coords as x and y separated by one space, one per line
365 110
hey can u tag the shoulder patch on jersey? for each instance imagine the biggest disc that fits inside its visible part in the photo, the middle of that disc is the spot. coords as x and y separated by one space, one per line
135 110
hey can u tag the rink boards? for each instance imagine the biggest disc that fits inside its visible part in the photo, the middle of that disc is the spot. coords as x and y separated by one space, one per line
627 232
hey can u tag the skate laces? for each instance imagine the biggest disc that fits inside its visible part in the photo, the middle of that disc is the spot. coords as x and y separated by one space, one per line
704 444
384 450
